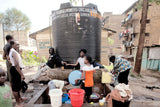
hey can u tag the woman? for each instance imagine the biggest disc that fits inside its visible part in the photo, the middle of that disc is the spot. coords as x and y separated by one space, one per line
16 72
53 60
121 69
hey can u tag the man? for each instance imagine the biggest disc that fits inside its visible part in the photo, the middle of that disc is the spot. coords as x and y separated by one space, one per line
9 38
121 69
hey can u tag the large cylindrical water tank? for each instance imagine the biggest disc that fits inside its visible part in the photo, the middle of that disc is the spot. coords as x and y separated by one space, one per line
75 28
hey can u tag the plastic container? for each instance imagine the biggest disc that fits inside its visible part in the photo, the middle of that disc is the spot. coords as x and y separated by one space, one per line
77 97
65 98
94 97
120 104
101 102
73 76
51 85
106 77
55 97
68 101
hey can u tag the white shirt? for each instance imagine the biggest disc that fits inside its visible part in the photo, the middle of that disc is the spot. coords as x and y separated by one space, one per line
19 58
88 68
81 62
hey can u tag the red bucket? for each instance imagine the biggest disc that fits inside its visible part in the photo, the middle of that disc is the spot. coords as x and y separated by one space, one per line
77 97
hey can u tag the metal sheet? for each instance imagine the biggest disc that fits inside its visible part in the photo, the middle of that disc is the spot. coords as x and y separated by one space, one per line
154 53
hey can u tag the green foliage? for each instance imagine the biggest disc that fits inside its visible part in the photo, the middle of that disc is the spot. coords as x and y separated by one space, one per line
74 1
139 4
43 59
132 75
1 17
155 1
16 20
30 59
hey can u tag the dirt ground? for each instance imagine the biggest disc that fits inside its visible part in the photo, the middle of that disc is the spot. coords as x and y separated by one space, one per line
146 87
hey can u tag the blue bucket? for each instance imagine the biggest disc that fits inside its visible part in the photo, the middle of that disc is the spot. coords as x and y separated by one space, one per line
65 98
74 75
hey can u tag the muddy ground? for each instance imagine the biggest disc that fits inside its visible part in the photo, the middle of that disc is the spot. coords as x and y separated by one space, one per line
146 87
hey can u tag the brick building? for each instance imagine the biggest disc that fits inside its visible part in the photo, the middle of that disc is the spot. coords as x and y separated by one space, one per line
111 21
43 41
105 47
26 43
130 36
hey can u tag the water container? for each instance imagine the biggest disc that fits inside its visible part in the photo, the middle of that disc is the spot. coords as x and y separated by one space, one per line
64 98
55 97
106 77
120 104
70 35
51 85
74 75
77 97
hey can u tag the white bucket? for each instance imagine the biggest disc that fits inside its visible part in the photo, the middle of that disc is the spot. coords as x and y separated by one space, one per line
55 97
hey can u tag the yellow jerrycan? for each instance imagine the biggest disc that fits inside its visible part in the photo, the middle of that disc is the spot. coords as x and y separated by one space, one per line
106 77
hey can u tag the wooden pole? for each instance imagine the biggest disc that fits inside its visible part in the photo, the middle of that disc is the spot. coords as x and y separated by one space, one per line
139 54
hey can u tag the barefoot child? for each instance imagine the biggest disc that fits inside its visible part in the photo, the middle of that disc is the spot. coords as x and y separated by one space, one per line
87 77
5 91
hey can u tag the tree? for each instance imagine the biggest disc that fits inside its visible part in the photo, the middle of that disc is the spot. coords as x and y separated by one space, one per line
75 2
1 17
139 4
16 20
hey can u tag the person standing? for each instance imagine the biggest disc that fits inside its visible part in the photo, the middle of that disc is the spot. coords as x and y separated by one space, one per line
80 60
9 38
88 71
121 69
16 72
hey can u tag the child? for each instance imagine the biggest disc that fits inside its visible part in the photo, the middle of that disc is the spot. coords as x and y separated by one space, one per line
5 91
80 60
87 76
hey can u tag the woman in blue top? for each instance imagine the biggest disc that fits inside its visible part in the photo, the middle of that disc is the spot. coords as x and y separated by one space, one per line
121 68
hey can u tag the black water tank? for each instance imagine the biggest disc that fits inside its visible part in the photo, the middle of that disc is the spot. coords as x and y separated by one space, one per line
69 35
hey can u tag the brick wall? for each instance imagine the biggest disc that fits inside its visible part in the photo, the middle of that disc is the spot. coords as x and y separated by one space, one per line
152 28
104 47
22 37
114 23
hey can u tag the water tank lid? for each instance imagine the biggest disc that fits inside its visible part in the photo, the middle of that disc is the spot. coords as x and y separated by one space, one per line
66 5
91 6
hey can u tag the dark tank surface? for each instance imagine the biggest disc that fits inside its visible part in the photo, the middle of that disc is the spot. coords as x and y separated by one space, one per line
71 32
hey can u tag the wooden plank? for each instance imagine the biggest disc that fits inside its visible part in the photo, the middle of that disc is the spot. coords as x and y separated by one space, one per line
69 105
37 96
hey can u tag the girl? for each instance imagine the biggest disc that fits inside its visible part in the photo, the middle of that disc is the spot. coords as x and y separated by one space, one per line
16 73
87 77
80 60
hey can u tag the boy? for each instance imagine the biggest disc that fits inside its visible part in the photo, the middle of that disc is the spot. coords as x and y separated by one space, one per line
9 38
5 91
87 77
